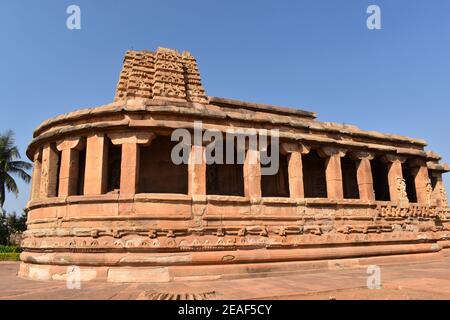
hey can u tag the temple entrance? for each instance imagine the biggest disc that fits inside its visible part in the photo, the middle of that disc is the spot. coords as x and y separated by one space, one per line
157 172
81 171
433 181
37 172
114 164
276 185
380 179
314 178
409 174
55 192
349 178
435 185
225 179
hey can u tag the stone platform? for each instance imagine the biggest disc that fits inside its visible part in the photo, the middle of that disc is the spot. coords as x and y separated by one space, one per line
423 278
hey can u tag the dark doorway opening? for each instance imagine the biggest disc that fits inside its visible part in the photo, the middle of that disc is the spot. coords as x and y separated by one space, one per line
114 164
349 178
314 177
276 185
225 179
81 171
157 172
409 174
380 179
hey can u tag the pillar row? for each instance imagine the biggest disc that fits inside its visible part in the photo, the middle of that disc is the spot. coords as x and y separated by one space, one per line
49 172
37 171
364 175
422 183
197 171
397 185
96 164
69 168
333 171
252 174
129 168
295 167
439 194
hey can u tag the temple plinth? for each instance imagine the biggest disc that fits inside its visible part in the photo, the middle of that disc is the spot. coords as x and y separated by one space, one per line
107 196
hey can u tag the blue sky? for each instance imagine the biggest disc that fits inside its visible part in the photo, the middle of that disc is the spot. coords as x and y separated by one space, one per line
316 55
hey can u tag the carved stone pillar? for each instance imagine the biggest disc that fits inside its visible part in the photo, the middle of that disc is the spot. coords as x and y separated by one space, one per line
129 168
333 171
252 174
439 194
295 167
422 182
364 175
95 180
69 168
397 184
197 171
49 172
37 170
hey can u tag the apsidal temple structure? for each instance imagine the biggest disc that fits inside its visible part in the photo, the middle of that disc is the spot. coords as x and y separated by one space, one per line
106 196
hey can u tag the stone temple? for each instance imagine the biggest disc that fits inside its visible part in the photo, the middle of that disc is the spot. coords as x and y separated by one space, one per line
107 198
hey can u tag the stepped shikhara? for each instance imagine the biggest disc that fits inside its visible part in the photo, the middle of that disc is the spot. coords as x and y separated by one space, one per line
107 197
164 74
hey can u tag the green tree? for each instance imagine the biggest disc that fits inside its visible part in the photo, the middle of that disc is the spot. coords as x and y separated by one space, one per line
4 230
10 224
16 223
11 166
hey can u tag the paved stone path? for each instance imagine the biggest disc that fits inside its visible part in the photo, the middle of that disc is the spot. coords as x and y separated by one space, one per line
426 280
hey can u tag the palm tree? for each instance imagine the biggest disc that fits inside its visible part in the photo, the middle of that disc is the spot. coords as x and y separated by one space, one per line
10 165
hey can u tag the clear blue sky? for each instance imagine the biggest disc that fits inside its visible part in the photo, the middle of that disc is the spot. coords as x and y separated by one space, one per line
315 55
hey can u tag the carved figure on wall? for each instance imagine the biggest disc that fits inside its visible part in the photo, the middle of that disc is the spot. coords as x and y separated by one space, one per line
401 190
444 201
428 192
